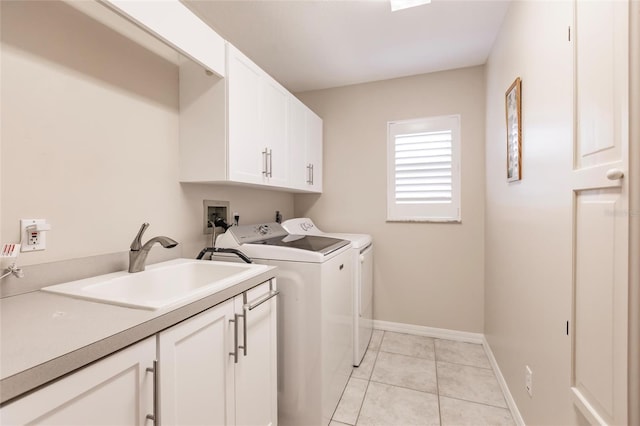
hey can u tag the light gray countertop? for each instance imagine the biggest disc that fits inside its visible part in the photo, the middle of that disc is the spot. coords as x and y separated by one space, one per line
44 336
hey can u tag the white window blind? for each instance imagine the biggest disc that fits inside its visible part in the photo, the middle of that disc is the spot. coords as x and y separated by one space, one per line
423 169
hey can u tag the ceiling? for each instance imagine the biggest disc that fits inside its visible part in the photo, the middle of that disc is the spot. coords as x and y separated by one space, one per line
317 44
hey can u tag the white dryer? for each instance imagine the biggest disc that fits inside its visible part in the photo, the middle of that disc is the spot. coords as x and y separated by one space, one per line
362 260
315 343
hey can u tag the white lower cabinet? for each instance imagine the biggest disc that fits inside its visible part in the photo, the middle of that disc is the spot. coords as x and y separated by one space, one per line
216 368
200 381
196 372
256 374
117 390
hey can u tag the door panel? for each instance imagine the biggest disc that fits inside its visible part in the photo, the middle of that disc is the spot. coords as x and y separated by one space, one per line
601 205
600 323
601 82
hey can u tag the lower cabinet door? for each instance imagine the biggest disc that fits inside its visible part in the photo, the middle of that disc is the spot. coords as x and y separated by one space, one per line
117 390
256 374
196 381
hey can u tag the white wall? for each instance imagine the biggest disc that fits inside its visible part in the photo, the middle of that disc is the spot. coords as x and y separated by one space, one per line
90 140
528 233
428 274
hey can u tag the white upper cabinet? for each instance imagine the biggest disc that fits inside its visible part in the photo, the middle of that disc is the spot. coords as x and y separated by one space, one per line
174 24
305 144
257 123
237 129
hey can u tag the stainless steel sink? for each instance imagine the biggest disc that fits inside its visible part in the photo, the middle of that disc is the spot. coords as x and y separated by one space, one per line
161 285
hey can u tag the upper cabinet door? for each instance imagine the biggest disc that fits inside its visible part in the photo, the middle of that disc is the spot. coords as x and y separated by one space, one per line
314 150
305 147
247 160
273 119
297 135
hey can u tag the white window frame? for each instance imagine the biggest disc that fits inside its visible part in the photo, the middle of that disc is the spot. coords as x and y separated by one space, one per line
424 212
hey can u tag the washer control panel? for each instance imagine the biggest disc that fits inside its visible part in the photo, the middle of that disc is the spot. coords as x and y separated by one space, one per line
253 233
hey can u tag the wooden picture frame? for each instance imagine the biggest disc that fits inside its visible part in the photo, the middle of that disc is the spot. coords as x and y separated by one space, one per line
513 108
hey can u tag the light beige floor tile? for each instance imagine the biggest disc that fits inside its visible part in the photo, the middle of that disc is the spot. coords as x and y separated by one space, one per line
406 371
334 423
461 353
408 344
455 412
376 339
366 366
469 383
351 401
386 405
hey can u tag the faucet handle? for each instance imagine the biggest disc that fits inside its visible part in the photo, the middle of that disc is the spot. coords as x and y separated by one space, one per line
136 244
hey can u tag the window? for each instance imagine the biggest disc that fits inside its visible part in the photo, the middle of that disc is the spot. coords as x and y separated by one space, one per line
423 170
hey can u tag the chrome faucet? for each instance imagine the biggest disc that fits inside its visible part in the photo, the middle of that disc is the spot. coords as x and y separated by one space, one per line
139 252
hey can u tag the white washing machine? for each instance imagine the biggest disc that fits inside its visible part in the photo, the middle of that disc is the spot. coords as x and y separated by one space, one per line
315 343
362 260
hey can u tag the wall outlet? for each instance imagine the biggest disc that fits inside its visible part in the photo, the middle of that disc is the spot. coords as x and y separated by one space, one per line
33 234
528 380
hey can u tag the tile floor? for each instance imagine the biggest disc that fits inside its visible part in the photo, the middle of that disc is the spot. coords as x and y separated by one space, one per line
415 380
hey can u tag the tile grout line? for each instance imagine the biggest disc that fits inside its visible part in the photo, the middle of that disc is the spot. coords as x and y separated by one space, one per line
476 402
369 379
435 361
403 387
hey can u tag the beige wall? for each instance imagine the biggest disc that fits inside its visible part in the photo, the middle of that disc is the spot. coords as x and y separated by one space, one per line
528 235
90 140
426 274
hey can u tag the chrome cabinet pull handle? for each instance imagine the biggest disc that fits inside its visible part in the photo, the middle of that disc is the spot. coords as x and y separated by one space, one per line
265 171
244 325
270 163
235 339
154 417
260 300
312 174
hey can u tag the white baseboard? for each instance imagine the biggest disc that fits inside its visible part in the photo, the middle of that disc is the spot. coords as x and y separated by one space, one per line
460 336
438 333
511 403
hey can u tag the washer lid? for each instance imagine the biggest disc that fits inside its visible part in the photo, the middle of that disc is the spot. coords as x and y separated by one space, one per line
314 243
272 234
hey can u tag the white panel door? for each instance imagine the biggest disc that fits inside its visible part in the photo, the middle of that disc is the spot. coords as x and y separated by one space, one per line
196 380
601 210
256 375
117 390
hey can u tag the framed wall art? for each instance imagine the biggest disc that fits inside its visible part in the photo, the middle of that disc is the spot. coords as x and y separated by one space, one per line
513 104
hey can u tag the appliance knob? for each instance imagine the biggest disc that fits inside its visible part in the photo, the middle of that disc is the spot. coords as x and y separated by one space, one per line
263 229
